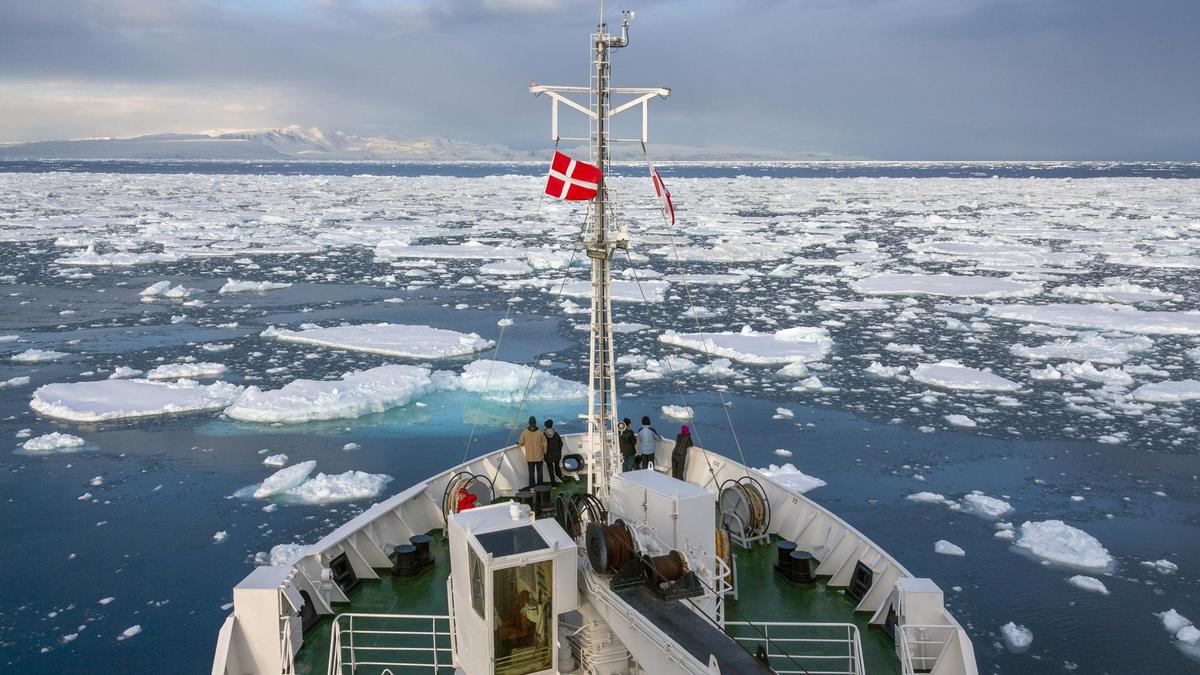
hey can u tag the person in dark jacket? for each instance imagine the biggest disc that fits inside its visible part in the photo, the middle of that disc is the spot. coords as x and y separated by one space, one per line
628 442
554 447
680 452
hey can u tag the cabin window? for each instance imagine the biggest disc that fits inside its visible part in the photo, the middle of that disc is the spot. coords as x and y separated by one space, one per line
524 607
477 595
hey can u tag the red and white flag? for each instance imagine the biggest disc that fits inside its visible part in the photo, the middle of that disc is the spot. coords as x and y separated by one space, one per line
572 179
664 195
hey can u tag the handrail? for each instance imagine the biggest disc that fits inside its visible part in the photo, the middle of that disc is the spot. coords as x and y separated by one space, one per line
850 653
407 645
927 651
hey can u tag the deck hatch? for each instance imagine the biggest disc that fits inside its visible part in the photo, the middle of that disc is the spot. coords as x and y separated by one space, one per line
512 541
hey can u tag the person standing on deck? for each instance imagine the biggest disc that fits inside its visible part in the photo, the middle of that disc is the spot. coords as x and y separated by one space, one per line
554 447
680 452
647 440
628 442
533 442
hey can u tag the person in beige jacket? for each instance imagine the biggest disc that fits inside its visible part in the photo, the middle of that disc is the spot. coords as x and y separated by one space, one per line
533 442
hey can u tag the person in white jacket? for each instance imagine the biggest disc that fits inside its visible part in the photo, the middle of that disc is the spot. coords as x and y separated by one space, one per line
646 444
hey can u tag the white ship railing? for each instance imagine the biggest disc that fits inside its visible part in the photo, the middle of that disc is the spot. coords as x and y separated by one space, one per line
372 643
811 648
922 645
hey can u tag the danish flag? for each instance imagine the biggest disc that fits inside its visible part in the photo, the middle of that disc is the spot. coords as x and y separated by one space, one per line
664 195
572 179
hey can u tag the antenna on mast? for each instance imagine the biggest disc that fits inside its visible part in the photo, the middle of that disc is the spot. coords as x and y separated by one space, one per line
602 237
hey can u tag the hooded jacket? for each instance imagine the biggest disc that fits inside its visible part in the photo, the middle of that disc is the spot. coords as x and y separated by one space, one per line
533 441
628 441
554 443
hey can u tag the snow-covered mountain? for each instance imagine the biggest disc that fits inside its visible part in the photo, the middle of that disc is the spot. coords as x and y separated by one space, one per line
311 143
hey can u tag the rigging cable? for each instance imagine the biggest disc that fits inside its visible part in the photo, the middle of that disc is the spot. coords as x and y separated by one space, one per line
704 340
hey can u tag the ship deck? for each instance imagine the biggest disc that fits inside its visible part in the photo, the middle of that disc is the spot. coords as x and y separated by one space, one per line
762 597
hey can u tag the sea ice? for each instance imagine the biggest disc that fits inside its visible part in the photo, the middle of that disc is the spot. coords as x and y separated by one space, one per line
622 291
1117 292
276 461
354 395
20 381
1171 391
285 479
37 356
97 401
946 548
1016 637
792 478
51 443
985 506
949 374
1057 542
512 382
124 373
678 412
130 632
790 345
961 421
163 289
1089 584
414 342
343 487
945 285
1103 317
234 286
193 371
1087 347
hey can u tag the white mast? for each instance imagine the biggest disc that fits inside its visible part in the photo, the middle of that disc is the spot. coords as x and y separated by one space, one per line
602 237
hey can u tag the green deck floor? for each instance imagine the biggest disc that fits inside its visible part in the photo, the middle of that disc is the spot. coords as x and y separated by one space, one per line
762 597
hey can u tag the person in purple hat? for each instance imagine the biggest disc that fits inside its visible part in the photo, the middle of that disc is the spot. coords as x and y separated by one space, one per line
680 452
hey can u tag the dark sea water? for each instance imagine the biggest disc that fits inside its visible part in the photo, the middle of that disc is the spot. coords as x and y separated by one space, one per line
163 487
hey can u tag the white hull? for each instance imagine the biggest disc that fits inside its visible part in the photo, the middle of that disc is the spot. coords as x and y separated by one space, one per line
263 633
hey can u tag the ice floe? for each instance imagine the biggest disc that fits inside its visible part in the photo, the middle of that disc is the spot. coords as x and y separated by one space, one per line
37 356
353 395
1117 292
950 374
194 371
1103 317
792 478
945 285
285 479
389 339
1055 541
622 291
790 345
51 443
1171 391
946 548
678 412
511 382
1016 637
234 286
1087 347
1089 584
97 401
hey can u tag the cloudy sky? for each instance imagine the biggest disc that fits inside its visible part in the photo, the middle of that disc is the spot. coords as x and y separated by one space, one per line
890 79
